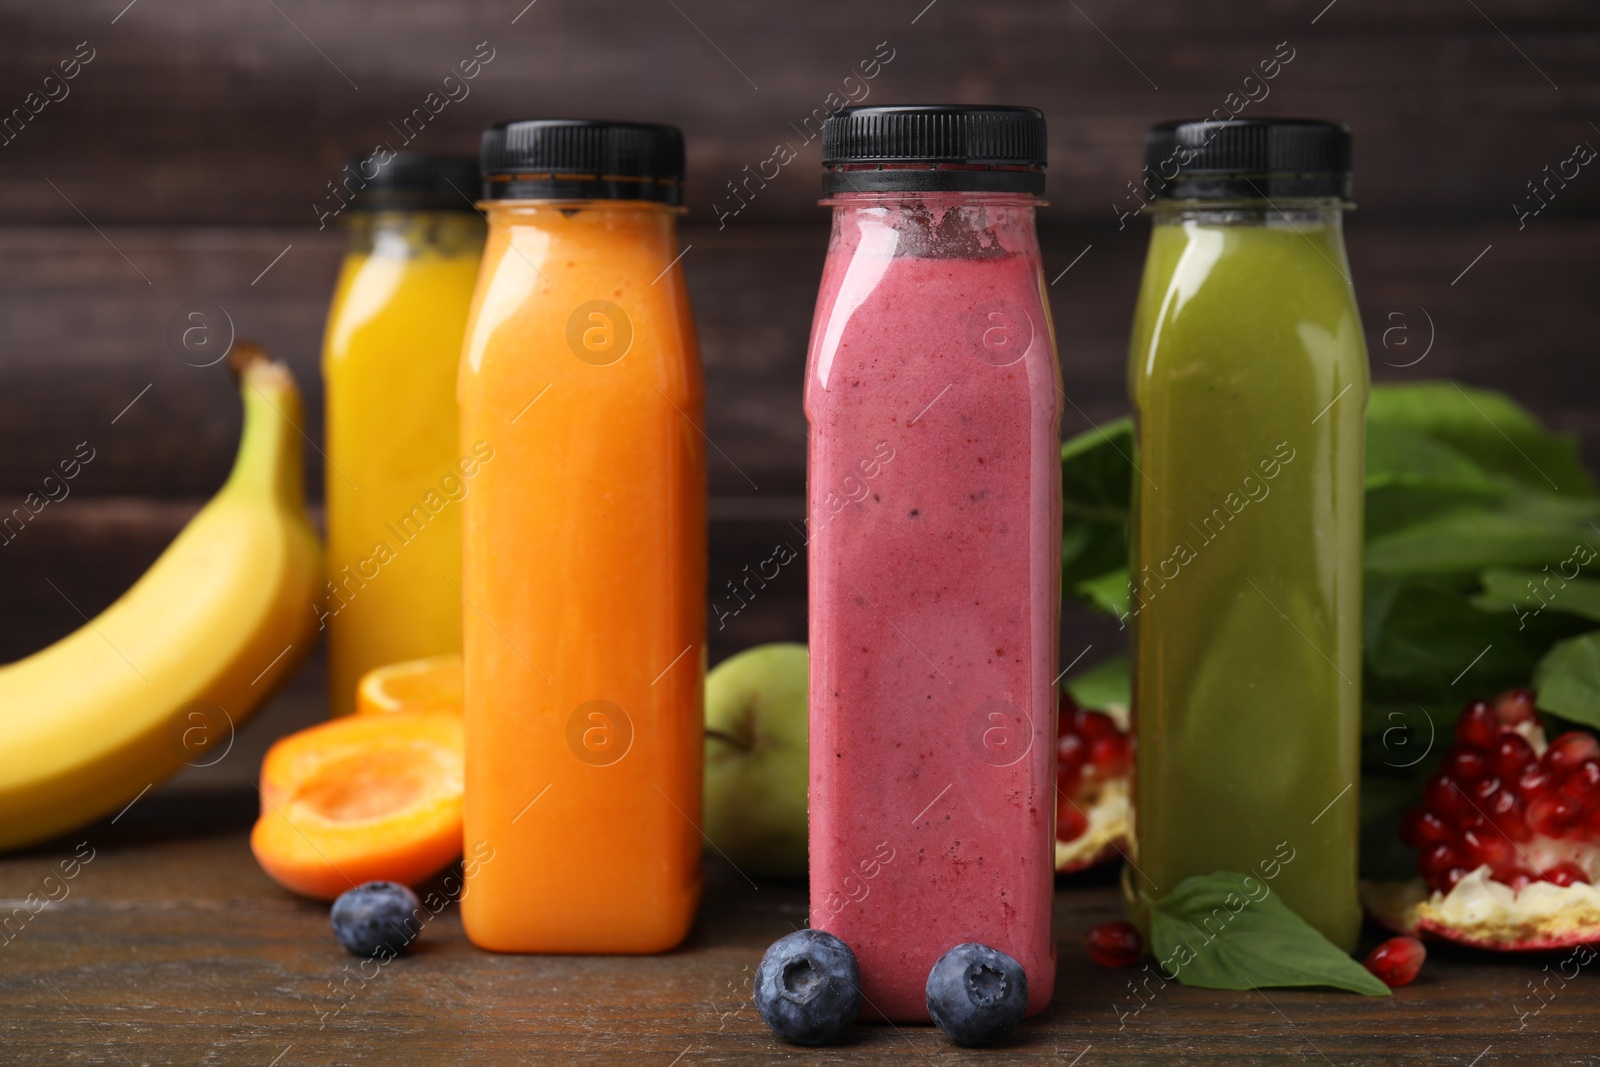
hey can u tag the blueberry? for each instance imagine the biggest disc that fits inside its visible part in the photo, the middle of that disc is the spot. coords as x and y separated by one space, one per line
808 987
377 919
977 995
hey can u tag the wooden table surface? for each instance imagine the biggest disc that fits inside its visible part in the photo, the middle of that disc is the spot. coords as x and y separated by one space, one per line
171 947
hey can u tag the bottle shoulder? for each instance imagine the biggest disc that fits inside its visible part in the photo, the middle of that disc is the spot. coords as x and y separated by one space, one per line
1224 303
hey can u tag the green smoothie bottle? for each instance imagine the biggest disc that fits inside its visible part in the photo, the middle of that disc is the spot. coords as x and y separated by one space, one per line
1248 374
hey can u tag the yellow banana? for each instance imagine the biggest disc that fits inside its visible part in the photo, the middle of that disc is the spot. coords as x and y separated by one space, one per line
199 641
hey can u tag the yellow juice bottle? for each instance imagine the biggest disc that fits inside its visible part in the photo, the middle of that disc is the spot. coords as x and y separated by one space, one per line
394 477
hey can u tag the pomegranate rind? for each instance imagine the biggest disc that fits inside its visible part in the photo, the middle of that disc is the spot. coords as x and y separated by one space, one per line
1483 913
1110 814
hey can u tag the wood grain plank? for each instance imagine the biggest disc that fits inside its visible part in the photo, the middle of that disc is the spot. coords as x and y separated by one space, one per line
82 336
170 946
81 554
236 111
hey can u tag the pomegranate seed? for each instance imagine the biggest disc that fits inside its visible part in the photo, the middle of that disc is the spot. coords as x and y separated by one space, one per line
1486 847
1096 724
1090 752
1439 792
1583 783
1516 706
1542 812
1553 816
1508 818
1422 827
1571 749
1478 725
1519 879
1534 781
1466 763
1499 788
1071 823
1109 754
1566 874
1397 961
1114 944
1512 754
1436 859
1508 866
1071 751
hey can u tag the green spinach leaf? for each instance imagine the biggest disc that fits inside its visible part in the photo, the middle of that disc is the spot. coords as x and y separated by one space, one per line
1096 478
1531 593
1527 529
1488 428
1568 680
1102 686
1109 592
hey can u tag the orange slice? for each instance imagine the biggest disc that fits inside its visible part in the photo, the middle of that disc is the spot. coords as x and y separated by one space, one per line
361 798
432 684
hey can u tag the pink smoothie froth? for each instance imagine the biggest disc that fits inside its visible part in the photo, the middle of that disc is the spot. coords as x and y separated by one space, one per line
934 583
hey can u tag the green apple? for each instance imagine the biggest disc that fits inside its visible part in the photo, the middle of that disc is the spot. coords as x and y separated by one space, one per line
756 760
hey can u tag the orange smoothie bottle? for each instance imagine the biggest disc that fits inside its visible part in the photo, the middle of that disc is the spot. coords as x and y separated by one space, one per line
389 361
584 548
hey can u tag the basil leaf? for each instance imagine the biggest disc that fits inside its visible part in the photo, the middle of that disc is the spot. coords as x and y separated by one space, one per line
1217 931
1567 680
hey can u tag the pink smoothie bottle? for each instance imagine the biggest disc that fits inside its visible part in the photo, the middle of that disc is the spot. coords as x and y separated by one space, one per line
934 539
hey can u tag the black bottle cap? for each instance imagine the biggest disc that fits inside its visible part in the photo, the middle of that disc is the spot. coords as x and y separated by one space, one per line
576 159
411 181
1248 159
949 148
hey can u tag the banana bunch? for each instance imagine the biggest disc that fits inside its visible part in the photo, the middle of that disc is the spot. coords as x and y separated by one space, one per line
222 618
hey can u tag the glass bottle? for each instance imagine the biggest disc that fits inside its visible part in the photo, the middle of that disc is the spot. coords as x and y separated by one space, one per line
1248 374
393 480
934 541
585 547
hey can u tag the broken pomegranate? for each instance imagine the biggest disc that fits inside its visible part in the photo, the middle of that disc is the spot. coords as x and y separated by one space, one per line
1396 962
1507 836
1115 944
1094 757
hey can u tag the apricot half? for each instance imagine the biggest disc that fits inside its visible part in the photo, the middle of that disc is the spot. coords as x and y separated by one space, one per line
359 799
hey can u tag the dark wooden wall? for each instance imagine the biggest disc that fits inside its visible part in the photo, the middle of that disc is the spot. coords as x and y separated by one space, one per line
190 150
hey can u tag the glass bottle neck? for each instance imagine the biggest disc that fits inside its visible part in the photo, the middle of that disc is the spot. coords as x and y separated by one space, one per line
936 225
407 234
1323 212
570 208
